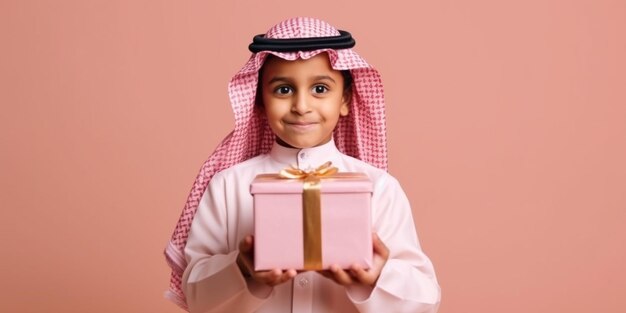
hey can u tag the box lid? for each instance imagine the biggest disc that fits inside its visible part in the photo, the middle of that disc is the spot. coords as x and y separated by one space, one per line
344 182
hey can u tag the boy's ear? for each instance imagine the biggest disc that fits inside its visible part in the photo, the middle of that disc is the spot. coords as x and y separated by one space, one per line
345 102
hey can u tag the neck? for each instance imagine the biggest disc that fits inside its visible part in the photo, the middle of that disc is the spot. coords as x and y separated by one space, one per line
286 145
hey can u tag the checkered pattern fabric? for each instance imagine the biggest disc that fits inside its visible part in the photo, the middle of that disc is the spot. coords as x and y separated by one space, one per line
361 134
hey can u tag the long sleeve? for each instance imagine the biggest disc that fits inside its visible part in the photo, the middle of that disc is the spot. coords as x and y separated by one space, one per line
212 281
407 282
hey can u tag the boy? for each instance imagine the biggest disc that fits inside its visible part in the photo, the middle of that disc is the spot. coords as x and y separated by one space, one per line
303 98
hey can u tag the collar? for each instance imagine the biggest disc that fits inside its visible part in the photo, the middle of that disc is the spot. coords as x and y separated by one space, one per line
307 158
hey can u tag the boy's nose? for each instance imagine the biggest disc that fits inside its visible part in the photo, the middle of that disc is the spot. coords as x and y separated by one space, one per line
300 104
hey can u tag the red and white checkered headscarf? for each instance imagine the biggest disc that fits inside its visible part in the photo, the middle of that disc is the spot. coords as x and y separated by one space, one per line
361 134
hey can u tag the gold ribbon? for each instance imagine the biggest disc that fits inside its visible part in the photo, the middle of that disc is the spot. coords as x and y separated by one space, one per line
311 210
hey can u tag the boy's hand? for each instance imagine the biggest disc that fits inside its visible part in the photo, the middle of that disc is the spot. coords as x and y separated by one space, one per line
246 265
356 274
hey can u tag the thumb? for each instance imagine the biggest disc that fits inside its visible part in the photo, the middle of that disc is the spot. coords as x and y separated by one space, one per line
379 246
246 244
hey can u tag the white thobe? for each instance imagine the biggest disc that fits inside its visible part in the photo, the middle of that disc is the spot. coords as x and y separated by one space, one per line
213 281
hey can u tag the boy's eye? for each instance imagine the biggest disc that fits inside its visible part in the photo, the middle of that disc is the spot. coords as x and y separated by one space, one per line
320 89
283 90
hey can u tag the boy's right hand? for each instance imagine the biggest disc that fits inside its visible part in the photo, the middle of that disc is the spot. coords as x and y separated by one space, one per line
246 265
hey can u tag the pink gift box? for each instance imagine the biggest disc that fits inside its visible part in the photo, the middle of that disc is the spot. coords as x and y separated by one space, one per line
345 211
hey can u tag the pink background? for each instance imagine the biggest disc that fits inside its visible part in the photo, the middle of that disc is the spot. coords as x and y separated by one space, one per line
507 129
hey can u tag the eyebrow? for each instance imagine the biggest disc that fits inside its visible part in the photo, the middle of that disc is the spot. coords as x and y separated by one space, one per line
286 79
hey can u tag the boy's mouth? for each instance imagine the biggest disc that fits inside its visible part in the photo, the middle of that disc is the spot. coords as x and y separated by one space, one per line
301 126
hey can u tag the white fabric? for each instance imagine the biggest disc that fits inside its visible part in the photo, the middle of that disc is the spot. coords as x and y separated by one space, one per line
213 282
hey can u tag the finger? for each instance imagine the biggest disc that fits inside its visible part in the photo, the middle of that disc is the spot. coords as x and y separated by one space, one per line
359 273
287 275
327 274
379 247
366 277
292 273
245 255
275 277
245 266
246 244
340 276
271 277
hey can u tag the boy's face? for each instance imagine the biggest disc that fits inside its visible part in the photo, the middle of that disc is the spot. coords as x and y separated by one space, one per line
303 100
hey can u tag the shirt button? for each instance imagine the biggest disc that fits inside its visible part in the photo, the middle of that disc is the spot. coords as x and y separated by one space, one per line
303 155
303 282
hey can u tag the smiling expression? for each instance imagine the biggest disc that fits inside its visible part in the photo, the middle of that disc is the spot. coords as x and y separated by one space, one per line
303 99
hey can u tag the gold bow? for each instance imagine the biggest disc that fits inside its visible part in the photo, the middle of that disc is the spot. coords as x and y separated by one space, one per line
323 170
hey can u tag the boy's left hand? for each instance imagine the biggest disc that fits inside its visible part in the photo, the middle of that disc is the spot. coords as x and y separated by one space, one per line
356 274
